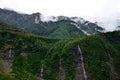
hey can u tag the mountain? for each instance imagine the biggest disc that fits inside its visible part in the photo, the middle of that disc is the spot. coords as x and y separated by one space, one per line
25 56
55 27
4 26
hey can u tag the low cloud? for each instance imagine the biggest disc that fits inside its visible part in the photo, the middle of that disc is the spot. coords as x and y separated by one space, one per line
48 18
110 23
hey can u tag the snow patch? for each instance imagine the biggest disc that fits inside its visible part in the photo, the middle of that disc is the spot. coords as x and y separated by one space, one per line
48 18
86 24
85 32
76 25
37 20
78 20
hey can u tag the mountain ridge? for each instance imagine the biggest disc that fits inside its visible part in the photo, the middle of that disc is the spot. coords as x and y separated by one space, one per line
33 23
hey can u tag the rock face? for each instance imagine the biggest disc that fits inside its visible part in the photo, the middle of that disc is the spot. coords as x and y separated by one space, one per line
113 74
5 66
37 18
80 69
56 27
61 71
6 60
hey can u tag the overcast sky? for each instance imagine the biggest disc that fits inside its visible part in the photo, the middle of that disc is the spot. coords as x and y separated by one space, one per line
88 9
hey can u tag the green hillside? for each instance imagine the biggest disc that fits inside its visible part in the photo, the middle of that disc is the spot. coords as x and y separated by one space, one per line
4 26
24 56
64 27
100 52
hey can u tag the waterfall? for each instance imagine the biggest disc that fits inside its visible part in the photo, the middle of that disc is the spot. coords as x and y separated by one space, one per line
41 75
36 20
113 73
82 63
61 70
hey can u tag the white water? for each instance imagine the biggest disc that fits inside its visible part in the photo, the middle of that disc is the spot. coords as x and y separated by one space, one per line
82 62
61 71
41 76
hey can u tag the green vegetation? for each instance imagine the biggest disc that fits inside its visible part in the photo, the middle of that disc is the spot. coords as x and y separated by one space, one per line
30 51
58 30
64 28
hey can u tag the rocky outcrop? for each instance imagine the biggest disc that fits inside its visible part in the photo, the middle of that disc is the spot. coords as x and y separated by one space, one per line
6 59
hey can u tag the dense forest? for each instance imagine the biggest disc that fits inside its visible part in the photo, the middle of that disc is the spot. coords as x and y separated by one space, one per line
25 56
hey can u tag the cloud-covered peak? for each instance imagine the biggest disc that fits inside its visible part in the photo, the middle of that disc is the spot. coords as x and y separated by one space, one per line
78 20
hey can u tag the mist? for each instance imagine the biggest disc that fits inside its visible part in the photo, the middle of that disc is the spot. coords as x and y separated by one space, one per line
105 12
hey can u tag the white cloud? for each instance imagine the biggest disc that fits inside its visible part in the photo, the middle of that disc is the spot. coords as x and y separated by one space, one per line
48 18
89 9
56 7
